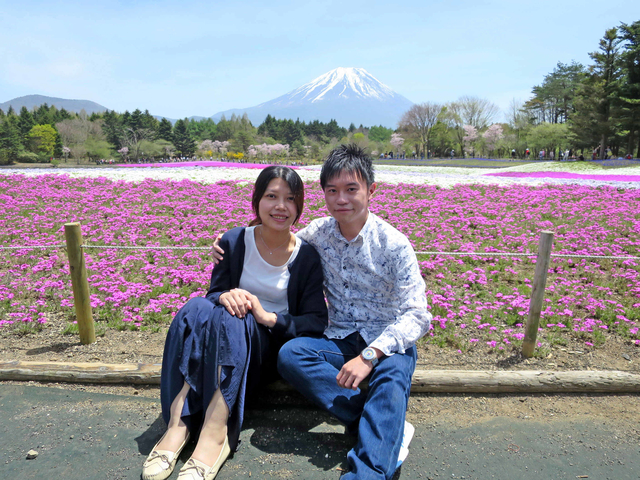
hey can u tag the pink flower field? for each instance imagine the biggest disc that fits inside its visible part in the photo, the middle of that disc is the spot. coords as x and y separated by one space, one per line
477 301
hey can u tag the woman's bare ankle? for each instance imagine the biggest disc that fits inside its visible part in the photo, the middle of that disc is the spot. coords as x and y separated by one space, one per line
173 438
209 446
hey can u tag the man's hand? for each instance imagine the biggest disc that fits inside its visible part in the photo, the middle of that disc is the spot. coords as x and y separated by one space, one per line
353 372
217 251
236 301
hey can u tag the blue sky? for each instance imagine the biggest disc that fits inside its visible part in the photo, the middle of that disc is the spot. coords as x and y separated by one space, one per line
186 58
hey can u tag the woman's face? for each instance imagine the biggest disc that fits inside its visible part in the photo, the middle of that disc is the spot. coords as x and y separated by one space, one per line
277 208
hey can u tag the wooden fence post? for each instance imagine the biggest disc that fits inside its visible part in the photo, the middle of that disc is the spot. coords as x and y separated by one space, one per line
537 293
77 268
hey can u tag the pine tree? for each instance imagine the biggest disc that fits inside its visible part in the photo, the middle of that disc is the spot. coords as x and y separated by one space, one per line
57 147
165 130
10 144
593 121
630 89
25 123
183 142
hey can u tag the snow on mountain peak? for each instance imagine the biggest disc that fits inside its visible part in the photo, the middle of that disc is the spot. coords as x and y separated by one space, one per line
343 82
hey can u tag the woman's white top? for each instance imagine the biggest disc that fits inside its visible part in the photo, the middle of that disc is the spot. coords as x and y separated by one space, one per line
265 281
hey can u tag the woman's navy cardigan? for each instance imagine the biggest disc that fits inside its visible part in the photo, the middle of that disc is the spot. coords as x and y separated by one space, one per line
307 314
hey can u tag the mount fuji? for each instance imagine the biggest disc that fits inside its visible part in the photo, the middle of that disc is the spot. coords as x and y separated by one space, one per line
344 94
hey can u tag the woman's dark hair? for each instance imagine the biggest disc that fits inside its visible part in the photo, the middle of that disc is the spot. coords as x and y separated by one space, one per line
276 171
350 159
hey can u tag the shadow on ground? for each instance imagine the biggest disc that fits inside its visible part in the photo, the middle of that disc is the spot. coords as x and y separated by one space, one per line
80 435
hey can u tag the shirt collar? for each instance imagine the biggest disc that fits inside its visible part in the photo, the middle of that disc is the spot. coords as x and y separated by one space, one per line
364 232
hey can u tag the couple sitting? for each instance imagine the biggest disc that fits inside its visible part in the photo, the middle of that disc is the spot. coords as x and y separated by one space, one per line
265 312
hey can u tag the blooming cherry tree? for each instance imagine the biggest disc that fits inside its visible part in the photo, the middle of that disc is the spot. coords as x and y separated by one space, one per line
493 134
470 136
396 141
124 152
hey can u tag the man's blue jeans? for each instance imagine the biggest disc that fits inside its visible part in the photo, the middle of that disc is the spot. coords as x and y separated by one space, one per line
311 365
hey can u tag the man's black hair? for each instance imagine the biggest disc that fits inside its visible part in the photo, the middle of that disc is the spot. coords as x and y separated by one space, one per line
347 158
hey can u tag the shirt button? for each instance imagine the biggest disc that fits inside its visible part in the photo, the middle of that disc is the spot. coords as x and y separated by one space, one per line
351 304
346 286
344 267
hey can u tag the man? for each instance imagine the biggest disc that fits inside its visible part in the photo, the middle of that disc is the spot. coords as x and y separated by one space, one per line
377 311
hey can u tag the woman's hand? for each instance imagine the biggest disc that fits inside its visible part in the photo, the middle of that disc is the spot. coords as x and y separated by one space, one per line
268 319
236 301
217 251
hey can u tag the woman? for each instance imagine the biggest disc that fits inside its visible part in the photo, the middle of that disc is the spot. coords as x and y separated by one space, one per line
267 290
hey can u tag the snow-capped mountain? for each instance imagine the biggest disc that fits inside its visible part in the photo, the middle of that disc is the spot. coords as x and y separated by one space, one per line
345 94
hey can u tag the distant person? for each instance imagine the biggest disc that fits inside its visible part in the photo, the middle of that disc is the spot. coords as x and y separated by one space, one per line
527 153
541 154
453 153
513 153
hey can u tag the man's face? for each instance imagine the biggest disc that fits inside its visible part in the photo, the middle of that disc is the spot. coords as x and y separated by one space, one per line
347 197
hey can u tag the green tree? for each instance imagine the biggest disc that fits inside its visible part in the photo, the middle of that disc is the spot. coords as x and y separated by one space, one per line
165 130
242 140
42 115
629 99
25 123
10 144
97 149
224 130
150 122
380 134
42 139
548 136
553 100
593 120
112 128
57 147
185 145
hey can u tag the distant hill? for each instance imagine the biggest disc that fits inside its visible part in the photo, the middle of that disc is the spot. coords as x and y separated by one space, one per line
31 101
344 94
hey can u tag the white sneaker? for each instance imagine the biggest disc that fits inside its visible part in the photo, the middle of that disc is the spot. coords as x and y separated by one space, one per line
409 430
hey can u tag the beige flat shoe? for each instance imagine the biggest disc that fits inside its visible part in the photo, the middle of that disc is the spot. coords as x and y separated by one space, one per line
196 470
160 463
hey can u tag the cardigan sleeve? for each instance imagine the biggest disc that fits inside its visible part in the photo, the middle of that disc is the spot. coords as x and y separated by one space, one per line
221 274
307 315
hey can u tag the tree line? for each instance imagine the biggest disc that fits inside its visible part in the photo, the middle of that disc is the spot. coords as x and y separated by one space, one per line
593 109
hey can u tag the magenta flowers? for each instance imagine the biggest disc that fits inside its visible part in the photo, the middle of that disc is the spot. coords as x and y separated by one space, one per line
477 301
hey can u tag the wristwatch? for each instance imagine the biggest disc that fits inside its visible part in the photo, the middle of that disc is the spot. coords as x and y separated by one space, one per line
371 355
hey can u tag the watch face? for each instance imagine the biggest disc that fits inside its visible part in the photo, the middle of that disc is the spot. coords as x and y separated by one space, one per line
369 354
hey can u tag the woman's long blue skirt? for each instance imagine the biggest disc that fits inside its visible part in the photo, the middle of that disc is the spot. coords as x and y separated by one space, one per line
202 337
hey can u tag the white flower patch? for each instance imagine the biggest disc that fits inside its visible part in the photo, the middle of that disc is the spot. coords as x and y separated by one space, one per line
445 177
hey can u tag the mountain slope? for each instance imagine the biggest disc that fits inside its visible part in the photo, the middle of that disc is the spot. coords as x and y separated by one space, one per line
345 94
31 101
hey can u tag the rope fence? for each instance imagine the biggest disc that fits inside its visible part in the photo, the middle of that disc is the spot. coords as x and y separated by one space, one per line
77 268
475 254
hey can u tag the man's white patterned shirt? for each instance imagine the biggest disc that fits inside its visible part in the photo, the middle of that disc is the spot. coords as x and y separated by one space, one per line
372 283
